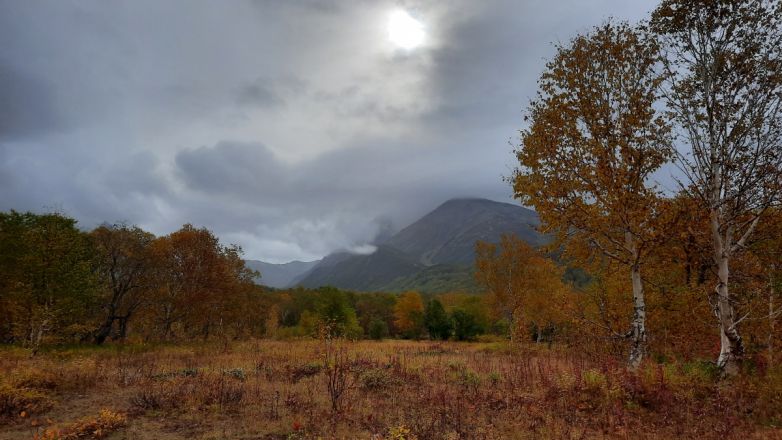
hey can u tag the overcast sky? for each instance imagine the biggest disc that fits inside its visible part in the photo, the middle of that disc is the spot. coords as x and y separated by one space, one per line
292 128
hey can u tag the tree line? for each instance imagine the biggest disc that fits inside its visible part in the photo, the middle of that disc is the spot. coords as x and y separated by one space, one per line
59 284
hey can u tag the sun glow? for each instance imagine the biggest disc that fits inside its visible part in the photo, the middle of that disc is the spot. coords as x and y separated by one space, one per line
405 31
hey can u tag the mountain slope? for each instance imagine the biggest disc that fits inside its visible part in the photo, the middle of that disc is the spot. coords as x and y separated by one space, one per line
280 275
448 234
440 278
434 254
362 272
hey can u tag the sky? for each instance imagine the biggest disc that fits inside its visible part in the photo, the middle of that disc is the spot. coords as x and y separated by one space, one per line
293 128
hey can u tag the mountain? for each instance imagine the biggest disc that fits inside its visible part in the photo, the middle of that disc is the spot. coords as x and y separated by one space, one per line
280 275
362 272
448 234
434 254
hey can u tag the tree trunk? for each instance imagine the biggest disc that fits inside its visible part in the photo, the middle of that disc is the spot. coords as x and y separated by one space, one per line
104 331
638 327
37 337
123 327
168 321
771 317
731 345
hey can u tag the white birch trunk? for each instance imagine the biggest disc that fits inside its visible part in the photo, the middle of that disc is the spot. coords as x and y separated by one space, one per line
771 317
731 345
638 349
638 325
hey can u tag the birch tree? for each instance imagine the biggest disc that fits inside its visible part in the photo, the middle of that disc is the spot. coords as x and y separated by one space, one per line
725 90
593 143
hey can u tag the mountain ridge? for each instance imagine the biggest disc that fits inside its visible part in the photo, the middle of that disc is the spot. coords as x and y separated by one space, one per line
435 253
436 250
447 234
280 275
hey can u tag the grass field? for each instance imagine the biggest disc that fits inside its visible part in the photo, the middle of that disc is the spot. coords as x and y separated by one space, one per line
370 390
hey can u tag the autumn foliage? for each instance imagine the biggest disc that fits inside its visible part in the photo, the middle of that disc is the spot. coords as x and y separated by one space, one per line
696 94
653 156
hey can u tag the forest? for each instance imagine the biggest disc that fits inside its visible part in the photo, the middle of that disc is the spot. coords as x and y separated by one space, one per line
652 154
118 283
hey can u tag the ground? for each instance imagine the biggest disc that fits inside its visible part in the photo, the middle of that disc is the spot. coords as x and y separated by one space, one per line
372 390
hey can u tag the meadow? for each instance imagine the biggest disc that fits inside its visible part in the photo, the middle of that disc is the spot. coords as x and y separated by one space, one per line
393 389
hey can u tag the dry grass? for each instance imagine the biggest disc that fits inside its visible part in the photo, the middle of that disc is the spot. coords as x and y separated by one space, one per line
389 390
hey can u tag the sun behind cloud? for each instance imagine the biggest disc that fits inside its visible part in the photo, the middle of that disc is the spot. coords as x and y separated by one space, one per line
404 31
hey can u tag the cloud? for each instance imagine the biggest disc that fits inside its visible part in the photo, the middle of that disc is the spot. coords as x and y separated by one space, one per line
292 128
257 94
365 249
26 105
343 199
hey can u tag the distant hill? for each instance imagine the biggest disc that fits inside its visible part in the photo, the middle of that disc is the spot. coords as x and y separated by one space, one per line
280 275
434 254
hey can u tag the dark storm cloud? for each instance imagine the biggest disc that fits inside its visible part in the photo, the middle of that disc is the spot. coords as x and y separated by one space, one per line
361 184
26 105
234 168
292 128
492 55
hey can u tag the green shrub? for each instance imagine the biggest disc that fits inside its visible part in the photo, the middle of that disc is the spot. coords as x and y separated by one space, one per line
594 379
377 379
236 373
704 371
469 380
378 329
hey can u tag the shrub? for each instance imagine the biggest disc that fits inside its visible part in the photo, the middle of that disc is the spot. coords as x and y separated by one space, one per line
155 398
36 379
220 392
377 379
594 380
15 401
306 370
469 380
702 370
465 325
185 372
90 427
401 432
236 373
188 372
378 329
456 365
